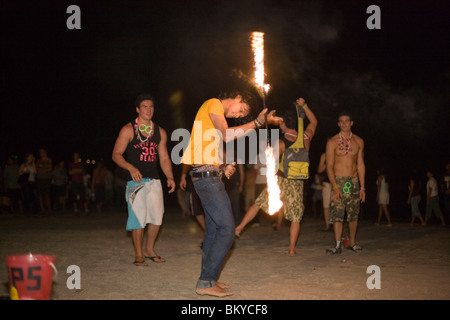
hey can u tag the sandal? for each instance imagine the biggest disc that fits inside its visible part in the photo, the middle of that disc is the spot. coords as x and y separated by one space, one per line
140 262
334 250
156 259
355 248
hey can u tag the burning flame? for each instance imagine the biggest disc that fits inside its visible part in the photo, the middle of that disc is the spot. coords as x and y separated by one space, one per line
258 53
273 189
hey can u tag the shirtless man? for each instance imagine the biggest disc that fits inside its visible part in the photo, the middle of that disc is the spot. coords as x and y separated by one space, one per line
346 172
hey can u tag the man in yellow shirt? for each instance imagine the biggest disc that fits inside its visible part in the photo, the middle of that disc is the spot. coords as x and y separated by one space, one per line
209 132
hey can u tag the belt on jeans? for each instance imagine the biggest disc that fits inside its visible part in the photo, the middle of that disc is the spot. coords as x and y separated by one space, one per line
205 174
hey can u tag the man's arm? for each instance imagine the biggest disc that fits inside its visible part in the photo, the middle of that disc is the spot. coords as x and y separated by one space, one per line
220 123
361 167
184 171
125 136
164 160
241 177
310 129
322 166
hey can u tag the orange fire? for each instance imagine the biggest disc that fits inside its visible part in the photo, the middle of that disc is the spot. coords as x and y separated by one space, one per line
273 190
258 53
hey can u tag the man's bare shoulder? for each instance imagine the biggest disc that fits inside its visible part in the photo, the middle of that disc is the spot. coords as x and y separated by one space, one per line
127 131
358 139
333 140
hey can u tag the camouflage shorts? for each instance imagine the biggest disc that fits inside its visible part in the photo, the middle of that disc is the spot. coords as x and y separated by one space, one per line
292 197
349 201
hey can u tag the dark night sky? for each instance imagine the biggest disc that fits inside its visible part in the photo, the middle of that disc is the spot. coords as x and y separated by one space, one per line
74 89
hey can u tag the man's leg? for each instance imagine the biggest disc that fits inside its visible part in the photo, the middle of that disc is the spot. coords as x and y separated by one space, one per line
352 227
249 216
219 234
152 234
337 227
293 237
137 236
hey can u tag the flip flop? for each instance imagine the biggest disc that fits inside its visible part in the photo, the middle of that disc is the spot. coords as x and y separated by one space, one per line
140 263
355 248
161 260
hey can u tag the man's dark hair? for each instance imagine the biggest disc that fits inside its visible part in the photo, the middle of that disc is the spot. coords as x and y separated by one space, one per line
290 118
345 113
248 98
142 97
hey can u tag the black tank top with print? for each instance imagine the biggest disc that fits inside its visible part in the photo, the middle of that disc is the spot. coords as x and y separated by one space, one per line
144 155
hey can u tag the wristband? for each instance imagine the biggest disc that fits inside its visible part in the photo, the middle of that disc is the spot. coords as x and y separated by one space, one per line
336 187
363 188
258 123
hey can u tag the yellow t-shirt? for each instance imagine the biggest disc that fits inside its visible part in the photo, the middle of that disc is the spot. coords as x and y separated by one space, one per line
205 139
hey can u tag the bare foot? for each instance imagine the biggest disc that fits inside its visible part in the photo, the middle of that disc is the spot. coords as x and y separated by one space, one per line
237 232
140 262
292 252
223 285
215 291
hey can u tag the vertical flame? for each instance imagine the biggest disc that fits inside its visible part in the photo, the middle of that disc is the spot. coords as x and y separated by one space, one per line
273 189
258 53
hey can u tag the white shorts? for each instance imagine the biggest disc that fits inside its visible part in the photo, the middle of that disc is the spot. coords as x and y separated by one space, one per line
145 203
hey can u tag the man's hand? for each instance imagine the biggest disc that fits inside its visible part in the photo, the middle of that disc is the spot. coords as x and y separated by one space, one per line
337 194
183 182
301 102
135 175
271 117
229 170
171 184
362 195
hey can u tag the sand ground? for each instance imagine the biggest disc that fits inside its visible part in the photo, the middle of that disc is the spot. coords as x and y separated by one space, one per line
414 262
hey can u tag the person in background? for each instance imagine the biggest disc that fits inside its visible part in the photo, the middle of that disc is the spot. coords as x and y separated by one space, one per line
44 167
27 180
12 186
98 184
383 197
445 189
433 199
326 191
60 180
77 170
414 198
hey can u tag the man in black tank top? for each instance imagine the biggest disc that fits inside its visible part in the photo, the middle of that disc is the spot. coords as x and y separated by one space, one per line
145 144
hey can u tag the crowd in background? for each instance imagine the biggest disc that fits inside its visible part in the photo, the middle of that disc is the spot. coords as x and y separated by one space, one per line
37 184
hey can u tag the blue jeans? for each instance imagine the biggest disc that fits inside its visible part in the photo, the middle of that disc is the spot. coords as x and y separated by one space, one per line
220 226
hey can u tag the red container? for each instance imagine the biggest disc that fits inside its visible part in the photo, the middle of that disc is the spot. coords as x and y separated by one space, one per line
30 276
345 242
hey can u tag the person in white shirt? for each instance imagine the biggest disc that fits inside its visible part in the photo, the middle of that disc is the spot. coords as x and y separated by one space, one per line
433 199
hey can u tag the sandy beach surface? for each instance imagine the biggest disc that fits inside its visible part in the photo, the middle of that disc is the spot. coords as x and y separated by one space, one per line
413 262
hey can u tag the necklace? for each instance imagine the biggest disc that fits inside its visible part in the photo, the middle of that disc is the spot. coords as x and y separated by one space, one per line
347 148
143 128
